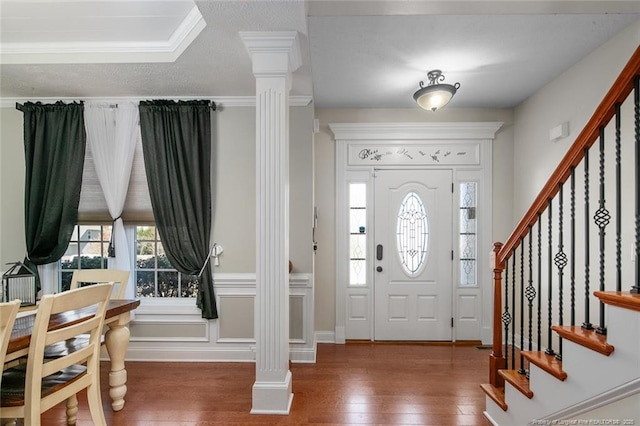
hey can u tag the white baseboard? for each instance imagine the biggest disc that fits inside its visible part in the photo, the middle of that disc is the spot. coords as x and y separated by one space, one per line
325 337
174 354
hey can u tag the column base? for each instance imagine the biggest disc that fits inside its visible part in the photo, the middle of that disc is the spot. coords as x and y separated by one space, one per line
272 397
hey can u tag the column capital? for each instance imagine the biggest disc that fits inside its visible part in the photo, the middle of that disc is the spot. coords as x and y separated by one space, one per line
273 52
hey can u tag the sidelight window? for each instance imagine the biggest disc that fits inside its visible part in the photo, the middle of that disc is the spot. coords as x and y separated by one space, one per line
358 234
468 234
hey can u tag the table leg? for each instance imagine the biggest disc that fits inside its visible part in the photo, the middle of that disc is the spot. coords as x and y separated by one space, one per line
117 340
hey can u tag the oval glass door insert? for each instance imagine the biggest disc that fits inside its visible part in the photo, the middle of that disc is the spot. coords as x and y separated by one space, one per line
412 234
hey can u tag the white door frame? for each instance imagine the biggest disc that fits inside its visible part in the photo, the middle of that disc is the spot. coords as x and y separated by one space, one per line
361 147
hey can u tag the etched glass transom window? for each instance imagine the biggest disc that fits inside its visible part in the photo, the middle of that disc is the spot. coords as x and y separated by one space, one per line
468 234
412 233
358 234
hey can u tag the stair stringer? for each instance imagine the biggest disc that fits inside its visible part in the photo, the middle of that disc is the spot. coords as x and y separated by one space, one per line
628 393
589 374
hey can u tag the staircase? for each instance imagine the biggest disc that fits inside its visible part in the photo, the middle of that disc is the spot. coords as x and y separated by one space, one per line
562 268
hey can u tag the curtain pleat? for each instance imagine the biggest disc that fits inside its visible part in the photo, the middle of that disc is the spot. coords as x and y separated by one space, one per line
54 146
176 142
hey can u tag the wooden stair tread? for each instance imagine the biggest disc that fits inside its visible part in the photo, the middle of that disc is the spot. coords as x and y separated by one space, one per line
518 381
587 338
622 299
548 363
496 395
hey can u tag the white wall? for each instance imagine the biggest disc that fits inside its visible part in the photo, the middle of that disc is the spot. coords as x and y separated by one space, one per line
325 184
571 97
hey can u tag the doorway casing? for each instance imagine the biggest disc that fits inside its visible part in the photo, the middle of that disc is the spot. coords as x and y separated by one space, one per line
361 148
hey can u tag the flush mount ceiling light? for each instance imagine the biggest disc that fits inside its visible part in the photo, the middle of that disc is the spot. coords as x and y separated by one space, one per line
435 95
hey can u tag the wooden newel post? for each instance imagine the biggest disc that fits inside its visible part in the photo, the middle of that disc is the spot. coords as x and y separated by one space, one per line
496 360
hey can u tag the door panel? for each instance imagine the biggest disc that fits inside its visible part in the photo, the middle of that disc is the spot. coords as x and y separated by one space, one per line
413 225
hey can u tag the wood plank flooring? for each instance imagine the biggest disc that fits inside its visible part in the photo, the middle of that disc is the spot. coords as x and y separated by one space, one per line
352 384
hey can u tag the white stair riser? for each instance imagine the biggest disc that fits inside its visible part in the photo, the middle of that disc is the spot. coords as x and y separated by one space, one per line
589 374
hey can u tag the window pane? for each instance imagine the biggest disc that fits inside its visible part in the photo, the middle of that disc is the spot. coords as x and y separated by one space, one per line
168 284
145 284
468 234
87 249
358 272
357 234
412 233
155 276
189 285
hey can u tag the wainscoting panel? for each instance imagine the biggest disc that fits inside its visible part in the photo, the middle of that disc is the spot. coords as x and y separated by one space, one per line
173 330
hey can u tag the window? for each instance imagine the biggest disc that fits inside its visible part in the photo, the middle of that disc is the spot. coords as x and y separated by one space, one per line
358 234
468 234
412 234
88 249
155 277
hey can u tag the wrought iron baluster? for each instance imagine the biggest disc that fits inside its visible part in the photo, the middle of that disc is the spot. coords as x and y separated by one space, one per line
587 252
539 334
560 261
521 370
618 203
550 350
573 246
602 219
636 99
513 304
530 291
506 316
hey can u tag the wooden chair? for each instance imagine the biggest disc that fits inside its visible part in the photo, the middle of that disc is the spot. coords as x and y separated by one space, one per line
30 389
8 313
82 277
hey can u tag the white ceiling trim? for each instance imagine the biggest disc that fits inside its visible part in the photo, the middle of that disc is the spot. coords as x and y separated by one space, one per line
107 52
466 7
414 131
220 101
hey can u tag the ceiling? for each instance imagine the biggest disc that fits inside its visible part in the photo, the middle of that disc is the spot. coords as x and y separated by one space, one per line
355 54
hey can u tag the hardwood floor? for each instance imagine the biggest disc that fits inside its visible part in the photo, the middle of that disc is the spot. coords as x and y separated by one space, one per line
357 383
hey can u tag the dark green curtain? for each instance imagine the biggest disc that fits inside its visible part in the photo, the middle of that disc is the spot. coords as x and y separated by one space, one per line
176 143
54 146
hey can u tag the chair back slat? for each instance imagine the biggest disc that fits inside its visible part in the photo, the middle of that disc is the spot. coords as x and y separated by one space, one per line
119 278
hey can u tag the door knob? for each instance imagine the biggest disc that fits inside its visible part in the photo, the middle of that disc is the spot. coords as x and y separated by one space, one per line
379 269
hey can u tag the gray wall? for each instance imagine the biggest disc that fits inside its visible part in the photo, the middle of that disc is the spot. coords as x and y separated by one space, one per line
233 187
12 244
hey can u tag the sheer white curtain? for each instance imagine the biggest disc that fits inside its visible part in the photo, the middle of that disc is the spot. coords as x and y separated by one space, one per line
112 131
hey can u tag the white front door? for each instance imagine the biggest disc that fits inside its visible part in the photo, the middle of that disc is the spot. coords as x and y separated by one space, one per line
412 255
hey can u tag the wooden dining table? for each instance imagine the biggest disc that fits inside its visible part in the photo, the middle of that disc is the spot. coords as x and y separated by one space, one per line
117 318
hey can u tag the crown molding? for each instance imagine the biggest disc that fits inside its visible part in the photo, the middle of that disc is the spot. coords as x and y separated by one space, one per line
416 131
107 52
272 43
220 101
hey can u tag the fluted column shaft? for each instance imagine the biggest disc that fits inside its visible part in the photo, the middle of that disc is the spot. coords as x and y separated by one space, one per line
274 55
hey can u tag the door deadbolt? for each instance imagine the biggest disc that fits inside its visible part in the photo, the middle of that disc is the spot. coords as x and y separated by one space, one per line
379 269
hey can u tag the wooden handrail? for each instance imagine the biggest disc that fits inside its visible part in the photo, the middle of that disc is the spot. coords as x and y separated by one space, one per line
621 88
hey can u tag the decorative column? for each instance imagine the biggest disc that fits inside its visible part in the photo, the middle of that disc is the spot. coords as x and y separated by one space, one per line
274 55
